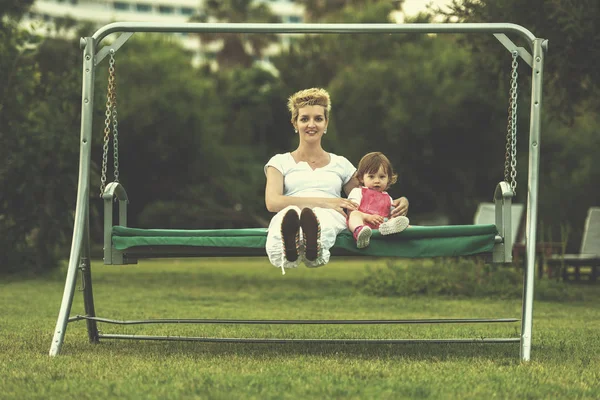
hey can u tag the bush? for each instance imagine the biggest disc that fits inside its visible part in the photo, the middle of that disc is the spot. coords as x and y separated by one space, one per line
548 290
458 278
39 121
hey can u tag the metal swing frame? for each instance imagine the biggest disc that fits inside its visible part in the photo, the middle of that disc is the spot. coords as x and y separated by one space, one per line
79 259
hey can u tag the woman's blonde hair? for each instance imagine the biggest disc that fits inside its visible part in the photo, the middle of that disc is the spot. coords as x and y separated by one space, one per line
309 97
371 163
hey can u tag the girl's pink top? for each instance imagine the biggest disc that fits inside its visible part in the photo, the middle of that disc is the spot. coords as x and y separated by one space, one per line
374 202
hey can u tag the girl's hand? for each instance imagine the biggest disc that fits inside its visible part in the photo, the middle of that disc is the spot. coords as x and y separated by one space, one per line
374 219
401 207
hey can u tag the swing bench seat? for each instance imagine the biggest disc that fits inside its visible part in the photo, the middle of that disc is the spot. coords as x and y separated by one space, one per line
415 242
125 245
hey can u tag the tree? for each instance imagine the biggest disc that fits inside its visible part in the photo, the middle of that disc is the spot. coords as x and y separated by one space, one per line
192 143
571 99
571 26
13 10
237 49
39 121
322 56
444 136
417 98
570 176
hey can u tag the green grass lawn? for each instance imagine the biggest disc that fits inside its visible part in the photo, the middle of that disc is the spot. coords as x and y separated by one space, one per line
565 354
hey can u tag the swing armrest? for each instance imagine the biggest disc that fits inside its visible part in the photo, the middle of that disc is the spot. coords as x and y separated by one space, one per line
503 205
113 190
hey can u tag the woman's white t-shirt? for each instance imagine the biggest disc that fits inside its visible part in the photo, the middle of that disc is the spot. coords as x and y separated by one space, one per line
300 180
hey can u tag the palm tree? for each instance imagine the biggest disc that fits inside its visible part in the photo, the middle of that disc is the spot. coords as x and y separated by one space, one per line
237 49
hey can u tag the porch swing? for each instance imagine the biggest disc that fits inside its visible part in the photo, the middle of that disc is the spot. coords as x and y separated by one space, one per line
125 245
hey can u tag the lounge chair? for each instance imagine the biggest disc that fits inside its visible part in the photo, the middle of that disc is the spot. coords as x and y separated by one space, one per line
588 259
543 250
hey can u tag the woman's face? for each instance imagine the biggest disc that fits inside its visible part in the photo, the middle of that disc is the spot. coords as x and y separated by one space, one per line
311 122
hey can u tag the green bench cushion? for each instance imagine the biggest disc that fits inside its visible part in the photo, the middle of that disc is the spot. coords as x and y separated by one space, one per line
416 241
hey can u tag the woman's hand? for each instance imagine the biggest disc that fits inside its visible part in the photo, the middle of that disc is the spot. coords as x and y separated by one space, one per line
340 204
401 207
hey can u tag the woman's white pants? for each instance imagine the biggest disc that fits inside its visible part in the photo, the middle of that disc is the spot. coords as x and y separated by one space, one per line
332 223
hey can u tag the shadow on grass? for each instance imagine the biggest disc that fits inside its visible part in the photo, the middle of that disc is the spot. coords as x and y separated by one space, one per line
503 353
232 283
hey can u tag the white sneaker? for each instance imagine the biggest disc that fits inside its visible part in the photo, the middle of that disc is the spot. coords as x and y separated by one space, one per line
394 225
364 237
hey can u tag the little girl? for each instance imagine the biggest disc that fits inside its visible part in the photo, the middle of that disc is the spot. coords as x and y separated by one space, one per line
375 175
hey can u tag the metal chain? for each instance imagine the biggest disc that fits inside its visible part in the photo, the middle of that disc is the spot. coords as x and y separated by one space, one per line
110 97
510 164
115 130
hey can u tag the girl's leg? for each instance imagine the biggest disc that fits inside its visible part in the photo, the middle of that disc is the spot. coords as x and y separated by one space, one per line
361 232
355 220
362 235
275 246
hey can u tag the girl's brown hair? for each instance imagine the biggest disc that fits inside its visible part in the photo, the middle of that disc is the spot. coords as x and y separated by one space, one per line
309 97
371 163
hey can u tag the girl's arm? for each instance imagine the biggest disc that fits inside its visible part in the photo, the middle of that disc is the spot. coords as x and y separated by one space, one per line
276 201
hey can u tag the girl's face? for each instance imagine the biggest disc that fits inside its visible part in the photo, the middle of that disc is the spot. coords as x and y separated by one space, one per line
311 122
376 181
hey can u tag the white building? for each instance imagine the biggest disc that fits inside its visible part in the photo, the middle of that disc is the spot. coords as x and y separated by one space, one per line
411 8
174 11
102 12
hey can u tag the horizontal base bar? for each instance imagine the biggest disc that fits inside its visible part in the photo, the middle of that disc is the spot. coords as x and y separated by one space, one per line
296 322
330 341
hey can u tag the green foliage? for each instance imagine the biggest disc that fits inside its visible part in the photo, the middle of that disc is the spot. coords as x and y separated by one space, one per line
431 118
192 138
571 175
571 87
419 98
572 75
13 9
443 277
465 278
315 60
234 51
168 121
38 129
193 143
186 214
